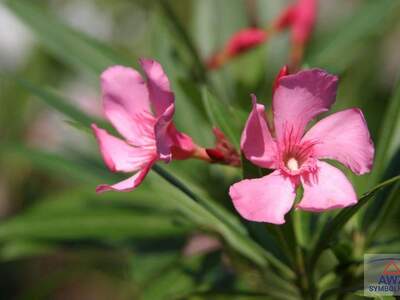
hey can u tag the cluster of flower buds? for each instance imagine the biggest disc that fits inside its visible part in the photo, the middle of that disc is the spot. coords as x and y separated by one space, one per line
298 17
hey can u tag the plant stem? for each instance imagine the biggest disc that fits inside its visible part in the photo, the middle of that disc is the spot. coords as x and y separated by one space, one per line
175 182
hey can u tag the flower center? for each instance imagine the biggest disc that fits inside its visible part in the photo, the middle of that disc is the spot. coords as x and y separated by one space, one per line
292 164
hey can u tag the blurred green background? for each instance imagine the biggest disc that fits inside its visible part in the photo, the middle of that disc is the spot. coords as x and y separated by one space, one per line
58 239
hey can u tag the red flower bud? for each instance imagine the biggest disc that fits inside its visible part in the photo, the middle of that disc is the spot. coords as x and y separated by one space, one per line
215 154
224 151
245 40
240 42
283 72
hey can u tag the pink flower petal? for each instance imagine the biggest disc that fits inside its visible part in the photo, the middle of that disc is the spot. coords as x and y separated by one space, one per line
265 199
164 140
160 93
329 189
118 155
299 98
344 136
163 103
125 98
129 184
183 146
256 142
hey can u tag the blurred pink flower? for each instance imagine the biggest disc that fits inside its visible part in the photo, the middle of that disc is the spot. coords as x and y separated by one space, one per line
300 18
142 113
240 42
199 244
295 154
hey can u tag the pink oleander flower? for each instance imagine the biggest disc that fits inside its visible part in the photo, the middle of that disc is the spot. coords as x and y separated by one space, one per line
296 154
240 42
142 113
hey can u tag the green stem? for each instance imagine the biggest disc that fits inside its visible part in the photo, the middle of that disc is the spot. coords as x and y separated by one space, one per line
288 240
304 280
175 182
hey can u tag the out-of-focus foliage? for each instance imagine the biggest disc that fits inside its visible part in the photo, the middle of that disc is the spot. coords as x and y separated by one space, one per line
59 240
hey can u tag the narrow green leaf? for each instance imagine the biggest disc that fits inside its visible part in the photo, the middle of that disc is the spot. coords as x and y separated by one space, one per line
110 224
55 163
21 249
387 137
332 228
383 215
67 44
78 119
77 214
57 102
356 285
391 246
221 116
198 194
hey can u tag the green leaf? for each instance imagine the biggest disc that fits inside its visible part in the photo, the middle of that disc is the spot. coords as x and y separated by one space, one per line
356 285
55 163
383 215
199 195
57 102
388 141
221 115
332 228
109 225
22 249
81 214
391 246
70 46
386 164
